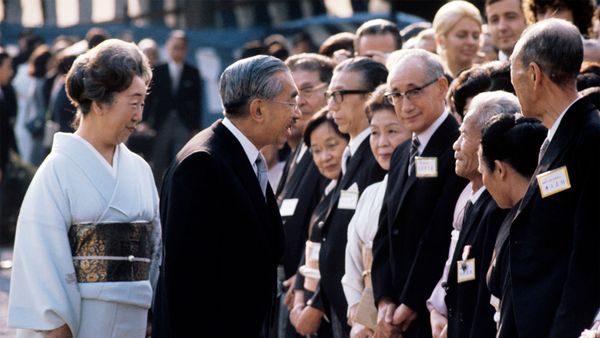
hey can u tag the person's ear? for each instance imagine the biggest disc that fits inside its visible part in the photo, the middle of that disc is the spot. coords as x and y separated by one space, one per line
256 106
500 169
98 107
536 73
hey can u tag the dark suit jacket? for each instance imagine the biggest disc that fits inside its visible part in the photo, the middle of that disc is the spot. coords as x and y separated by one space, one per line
470 314
411 244
8 112
305 183
216 226
187 100
553 241
363 170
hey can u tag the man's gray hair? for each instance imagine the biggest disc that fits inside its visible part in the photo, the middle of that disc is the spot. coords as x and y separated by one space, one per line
556 46
488 104
433 64
247 79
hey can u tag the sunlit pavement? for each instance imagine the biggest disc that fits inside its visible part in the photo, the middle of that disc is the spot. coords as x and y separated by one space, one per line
5 260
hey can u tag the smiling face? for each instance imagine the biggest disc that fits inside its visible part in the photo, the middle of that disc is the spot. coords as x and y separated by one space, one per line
118 119
349 114
418 113
506 22
386 134
310 97
465 148
462 43
327 148
279 113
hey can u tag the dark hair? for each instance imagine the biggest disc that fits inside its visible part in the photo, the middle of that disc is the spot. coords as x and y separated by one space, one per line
38 61
311 62
513 139
3 55
253 48
583 10
555 46
373 73
65 61
343 40
414 29
592 93
321 117
491 2
106 69
377 102
490 76
589 75
378 27
96 36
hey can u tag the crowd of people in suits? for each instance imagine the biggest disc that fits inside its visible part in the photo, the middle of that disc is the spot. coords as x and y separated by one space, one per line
442 185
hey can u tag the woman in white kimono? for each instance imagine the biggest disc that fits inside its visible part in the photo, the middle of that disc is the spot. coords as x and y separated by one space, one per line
88 235
386 134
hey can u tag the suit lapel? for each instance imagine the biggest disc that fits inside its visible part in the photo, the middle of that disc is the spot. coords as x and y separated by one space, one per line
566 132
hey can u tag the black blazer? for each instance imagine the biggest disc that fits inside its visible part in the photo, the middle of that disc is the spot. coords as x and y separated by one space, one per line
363 170
8 113
553 241
411 244
306 184
217 225
470 314
187 100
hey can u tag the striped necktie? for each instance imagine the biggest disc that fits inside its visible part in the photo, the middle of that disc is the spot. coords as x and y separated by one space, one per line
414 151
261 173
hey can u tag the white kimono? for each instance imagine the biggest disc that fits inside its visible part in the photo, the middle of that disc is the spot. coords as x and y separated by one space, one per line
361 231
76 185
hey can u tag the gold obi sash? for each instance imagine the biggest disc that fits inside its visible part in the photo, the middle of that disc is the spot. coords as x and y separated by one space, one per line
310 269
366 313
111 252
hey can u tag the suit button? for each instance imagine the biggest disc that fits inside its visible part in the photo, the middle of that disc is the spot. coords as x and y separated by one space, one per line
395 232
320 224
324 239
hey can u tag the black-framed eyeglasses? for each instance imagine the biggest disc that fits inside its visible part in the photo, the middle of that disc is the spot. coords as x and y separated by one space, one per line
338 95
393 97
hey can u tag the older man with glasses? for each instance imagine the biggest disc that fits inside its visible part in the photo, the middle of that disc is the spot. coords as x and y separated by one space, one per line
412 240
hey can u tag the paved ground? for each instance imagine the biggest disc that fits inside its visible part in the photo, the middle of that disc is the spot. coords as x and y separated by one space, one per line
5 332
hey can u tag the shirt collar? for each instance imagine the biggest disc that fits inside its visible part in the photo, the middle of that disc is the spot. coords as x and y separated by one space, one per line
425 136
556 123
249 147
475 196
358 140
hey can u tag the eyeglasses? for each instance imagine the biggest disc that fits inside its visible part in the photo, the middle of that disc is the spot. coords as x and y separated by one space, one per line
294 105
311 89
338 95
393 97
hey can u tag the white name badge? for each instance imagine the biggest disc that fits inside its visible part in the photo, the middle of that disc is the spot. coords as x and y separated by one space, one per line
349 198
553 181
466 270
288 207
426 166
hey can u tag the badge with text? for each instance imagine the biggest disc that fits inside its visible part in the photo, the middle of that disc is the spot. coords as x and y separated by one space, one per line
466 270
349 198
288 207
426 166
553 181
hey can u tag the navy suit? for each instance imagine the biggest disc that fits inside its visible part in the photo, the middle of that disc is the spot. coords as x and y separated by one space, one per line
554 261
411 244
222 243
470 314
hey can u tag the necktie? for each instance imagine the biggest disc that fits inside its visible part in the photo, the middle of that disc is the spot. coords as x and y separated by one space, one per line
543 150
414 151
346 159
261 173
468 210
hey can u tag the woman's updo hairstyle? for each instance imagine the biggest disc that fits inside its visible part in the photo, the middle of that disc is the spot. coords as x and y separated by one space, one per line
104 70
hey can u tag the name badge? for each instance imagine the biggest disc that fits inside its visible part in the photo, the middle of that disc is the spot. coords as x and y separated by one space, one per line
426 166
466 270
553 181
349 198
288 207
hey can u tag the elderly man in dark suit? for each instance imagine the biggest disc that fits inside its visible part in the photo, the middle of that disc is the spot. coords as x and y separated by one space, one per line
222 230
554 255
173 107
412 241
